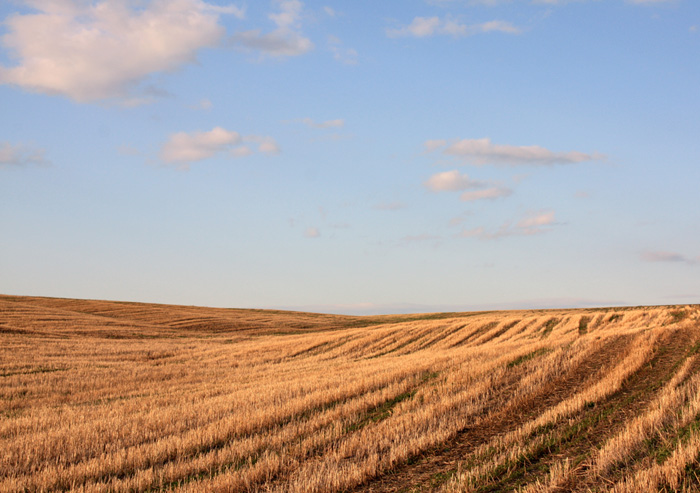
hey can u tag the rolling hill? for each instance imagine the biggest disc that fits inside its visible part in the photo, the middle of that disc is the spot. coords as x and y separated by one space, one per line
115 396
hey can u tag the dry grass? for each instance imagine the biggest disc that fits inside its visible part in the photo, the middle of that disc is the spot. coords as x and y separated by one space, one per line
106 396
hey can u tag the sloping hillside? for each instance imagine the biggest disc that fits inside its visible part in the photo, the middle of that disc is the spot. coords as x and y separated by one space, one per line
108 396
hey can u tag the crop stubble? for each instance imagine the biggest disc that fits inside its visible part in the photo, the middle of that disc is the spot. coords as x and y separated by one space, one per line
108 396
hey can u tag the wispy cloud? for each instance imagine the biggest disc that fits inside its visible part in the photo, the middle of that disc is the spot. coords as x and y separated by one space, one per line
91 51
532 224
498 26
483 151
663 256
460 219
424 27
337 123
202 104
184 148
490 193
127 150
344 55
434 144
20 155
286 40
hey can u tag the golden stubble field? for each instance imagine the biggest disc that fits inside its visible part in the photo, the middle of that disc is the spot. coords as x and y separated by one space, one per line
109 396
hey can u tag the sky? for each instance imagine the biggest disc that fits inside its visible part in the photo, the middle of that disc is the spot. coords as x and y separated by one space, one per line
351 157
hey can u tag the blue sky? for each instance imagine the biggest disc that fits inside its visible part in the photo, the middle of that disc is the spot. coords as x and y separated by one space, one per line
352 157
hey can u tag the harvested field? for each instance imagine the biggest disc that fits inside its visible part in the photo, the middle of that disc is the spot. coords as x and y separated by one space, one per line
109 396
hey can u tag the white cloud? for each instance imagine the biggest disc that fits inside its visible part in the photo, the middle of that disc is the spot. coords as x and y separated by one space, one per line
483 151
20 155
286 40
451 181
423 27
312 233
487 193
337 123
532 224
185 148
663 256
99 50
329 11
198 145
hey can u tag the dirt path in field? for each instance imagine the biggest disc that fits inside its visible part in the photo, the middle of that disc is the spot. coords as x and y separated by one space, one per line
426 472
